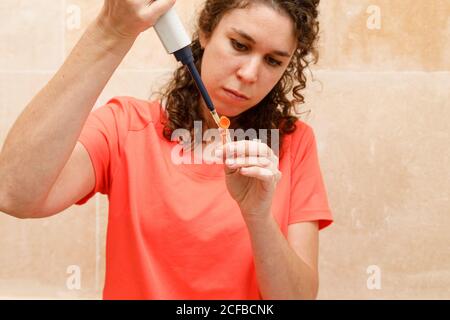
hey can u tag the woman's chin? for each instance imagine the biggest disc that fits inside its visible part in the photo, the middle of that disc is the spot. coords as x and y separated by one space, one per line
227 114
230 111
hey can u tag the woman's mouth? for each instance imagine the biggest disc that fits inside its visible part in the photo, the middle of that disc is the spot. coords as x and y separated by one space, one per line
235 95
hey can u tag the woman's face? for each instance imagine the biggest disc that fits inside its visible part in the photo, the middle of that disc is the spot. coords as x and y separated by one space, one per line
246 56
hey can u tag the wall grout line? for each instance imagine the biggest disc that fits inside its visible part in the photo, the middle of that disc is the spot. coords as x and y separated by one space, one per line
380 72
34 71
51 71
45 71
97 200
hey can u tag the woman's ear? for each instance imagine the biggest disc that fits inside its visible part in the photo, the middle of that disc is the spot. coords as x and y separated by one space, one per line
203 39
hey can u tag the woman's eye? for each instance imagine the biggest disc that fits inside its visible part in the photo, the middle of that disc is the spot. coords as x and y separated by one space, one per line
242 47
273 62
238 46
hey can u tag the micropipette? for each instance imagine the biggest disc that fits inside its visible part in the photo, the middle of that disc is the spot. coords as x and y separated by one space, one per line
175 39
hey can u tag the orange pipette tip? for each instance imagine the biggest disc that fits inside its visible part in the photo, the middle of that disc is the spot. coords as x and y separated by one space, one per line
224 122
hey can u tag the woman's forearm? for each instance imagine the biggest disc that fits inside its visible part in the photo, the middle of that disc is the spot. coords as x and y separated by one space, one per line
45 134
281 273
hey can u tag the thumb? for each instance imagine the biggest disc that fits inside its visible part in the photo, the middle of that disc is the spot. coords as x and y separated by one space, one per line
157 8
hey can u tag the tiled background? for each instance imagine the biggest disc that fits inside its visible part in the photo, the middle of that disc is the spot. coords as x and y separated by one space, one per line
380 109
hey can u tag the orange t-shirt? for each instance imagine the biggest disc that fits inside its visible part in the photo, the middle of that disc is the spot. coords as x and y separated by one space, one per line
174 232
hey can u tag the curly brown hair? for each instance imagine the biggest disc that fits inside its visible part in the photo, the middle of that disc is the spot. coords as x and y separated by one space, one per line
276 110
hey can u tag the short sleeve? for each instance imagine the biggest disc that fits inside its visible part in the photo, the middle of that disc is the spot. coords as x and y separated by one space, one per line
309 200
103 136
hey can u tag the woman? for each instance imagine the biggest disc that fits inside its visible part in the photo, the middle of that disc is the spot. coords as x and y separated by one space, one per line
242 230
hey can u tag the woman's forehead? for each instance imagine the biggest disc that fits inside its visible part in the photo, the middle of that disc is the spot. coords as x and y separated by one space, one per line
263 23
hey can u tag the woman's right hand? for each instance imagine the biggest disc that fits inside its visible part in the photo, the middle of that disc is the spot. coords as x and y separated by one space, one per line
128 18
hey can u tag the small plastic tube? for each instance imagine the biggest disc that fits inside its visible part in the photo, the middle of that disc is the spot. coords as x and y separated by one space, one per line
224 124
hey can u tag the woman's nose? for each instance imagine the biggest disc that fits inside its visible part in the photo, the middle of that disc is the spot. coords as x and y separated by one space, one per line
248 71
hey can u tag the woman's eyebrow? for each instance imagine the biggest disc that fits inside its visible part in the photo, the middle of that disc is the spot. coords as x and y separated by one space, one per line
249 38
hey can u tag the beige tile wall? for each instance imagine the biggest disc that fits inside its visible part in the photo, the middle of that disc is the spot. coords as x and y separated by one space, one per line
380 110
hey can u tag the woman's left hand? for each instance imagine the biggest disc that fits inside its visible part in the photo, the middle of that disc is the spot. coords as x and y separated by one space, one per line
251 169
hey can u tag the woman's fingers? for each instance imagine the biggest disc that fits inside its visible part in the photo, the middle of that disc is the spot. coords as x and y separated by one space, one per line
255 167
128 18
247 162
245 148
157 8
251 159
248 148
263 174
